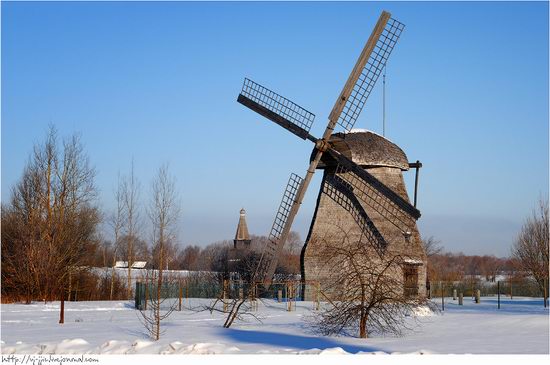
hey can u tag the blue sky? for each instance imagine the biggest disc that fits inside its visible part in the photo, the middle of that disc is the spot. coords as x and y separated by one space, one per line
467 94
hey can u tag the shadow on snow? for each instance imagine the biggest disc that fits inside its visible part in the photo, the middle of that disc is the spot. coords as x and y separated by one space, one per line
490 305
290 341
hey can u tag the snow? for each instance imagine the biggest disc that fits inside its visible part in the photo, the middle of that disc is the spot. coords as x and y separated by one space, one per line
363 130
521 326
413 262
359 130
135 264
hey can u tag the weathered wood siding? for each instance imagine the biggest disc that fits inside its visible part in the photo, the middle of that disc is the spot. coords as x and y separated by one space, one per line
331 220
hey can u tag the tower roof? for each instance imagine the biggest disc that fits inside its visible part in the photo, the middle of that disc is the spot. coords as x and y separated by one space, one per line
367 149
242 229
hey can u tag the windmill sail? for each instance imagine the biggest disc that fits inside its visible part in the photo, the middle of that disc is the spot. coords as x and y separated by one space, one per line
276 108
376 195
299 121
356 98
270 250
284 208
343 194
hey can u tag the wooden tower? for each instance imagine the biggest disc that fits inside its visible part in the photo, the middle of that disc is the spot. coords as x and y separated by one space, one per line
242 238
386 162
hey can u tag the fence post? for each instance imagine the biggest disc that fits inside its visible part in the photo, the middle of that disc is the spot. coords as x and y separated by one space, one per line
146 293
255 295
289 296
478 293
498 293
224 295
294 291
545 291
511 292
442 297
285 294
454 294
279 295
460 299
252 296
137 298
180 294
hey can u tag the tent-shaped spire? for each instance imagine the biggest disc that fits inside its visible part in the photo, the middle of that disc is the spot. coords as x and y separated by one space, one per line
242 237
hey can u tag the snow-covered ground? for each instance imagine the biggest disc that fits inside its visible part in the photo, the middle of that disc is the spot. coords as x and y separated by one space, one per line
521 326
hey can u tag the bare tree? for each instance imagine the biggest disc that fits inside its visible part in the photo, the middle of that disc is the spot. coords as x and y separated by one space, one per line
130 197
531 247
367 288
432 246
140 248
20 249
54 206
188 258
117 223
160 296
170 254
294 243
164 210
75 218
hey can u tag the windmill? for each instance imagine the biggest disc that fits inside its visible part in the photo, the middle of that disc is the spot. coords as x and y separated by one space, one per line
348 184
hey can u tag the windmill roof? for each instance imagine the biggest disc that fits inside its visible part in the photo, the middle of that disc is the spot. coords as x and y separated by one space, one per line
242 229
367 149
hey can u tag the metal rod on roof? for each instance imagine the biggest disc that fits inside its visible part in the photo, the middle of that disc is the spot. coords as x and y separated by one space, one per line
384 103
416 181
416 165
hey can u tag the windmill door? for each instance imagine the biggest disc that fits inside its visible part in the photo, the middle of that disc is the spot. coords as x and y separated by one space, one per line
411 280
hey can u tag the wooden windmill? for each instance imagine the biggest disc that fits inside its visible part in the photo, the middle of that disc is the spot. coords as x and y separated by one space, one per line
380 212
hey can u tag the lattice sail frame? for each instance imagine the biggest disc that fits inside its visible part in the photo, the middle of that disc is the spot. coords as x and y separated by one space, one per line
281 217
277 108
284 208
376 63
377 199
342 193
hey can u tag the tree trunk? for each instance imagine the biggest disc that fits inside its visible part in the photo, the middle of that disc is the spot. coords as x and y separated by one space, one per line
62 309
129 289
363 326
159 285
112 278
70 286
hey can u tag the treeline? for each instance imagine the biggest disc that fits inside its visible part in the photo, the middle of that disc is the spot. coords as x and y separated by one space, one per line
457 270
528 264
457 266
213 257
52 238
51 233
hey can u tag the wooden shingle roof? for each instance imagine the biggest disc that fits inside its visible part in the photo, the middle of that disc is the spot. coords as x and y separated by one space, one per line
242 229
367 149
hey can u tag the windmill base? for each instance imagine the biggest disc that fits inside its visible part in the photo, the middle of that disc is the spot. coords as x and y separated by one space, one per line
334 225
